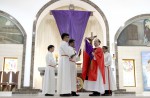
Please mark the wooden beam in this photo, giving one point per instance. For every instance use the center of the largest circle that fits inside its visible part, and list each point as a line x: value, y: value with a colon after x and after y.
x: 90, y: 14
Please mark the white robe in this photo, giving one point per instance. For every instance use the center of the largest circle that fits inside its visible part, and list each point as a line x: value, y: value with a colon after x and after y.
x: 73, y: 70
x: 97, y: 85
x: 64, y: 74
x: 49, y: 76
x: 110, y: 80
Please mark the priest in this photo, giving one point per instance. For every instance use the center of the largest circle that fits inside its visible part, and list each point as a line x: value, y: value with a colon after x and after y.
x: 93, y: 71
x: 49, y: 76
x: 64, y: 72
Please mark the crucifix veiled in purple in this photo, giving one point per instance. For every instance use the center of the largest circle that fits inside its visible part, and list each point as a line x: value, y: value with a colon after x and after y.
x: 72, y: 22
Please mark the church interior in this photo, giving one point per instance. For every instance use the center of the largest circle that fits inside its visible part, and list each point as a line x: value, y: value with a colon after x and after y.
x: 27, y: 27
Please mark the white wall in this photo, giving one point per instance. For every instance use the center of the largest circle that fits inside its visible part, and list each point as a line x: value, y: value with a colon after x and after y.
x: 116, y: 12
x: 132, y: 53
x: 12, y: 50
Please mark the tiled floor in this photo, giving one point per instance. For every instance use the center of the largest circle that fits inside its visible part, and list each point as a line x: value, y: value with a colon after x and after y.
x: 82, y: 95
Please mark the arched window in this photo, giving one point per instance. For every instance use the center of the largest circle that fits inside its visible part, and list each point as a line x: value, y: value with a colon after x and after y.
x: 10, y: 32
x: 135, y: 34
x: 12, y: 45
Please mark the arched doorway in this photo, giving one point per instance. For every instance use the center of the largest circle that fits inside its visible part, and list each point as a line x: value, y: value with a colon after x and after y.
x: 43, y: 15
x: 131, y: 40
x: 12, y: 46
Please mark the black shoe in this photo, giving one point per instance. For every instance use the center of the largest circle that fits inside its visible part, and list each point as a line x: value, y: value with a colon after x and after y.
x: 49, y: 94
x: 108, y: 93
x: 74, y: 94
x: 91, y: 94
x: 103, y: 94
x: 95, y: 94
x: 65, y: 95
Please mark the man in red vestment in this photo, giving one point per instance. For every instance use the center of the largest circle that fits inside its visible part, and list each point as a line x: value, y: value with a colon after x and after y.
x: 93, y: 71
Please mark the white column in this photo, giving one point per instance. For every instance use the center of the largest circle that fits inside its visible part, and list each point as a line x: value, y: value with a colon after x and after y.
x: 26, y: 82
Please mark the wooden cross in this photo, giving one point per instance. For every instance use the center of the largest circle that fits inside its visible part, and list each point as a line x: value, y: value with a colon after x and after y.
x: 91, y: 38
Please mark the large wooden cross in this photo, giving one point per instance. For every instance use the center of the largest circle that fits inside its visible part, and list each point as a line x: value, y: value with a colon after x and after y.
x: 91, y: 38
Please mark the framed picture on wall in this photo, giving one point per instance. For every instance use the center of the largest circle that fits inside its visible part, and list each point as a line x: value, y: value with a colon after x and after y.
x: 146, y: 70
x: 129, y: 79
x: 10, y: 64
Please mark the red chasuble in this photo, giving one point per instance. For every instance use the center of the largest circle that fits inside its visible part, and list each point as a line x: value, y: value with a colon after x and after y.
x: 98, y: 63
x: 89, y: 69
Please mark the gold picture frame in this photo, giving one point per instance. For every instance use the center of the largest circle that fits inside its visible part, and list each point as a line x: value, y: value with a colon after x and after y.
x: 129, y: 79
x: 10, y: 64
x: 79, y: 83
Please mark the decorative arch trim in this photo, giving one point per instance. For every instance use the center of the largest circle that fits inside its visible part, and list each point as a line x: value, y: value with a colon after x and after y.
x: 34, y: 30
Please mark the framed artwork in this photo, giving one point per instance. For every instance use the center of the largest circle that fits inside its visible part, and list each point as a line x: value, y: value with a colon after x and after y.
x: 129, y: 79
x: 146, y: 30
x: 146, y: 70
x: 10, y: 64
x: 79, y: 83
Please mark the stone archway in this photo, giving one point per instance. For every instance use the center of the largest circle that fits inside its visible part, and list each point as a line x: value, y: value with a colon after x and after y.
x: 38, y: 16
x: 13, y: 20
x: 119, y: 32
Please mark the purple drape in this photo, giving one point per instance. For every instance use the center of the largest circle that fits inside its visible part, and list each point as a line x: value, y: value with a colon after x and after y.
x: 73, y: 23
x: 89, y: 49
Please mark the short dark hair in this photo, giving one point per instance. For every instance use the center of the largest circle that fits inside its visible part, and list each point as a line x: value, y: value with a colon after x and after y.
x: 49, y: 47
x: 71, y: 41
x: 64, y: 35
x: 105, y: 47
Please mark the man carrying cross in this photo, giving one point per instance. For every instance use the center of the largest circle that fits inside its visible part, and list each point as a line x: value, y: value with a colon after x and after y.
x: 93, y: 71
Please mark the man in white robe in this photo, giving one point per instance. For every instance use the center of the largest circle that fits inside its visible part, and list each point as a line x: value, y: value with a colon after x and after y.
x: 110, y: 84
x: 73, y: 68
x: 49, y: 76
x: 64, y: 72
x: 96, y: 86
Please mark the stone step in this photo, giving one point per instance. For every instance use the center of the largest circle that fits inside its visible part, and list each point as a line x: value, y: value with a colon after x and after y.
x: 124, y: 93
x: 26, y: 91
x: 120, y: 90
